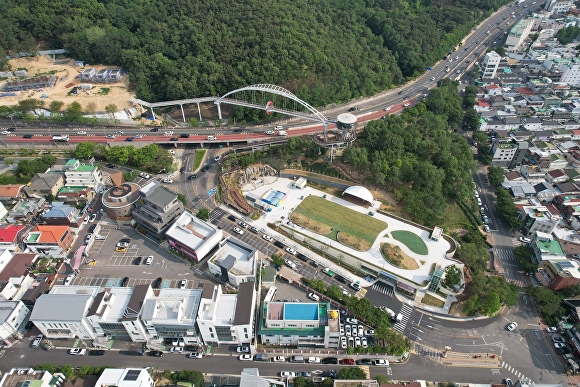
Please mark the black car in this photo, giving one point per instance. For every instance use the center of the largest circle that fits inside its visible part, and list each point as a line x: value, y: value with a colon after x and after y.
x: 302, y: 257
x: 124, y: 282
x: 191, y: 177
x: 184, y: 135
x: 126, y: 240
x: 352, y: 109
x: 154, y: 130
x: 562, y: 351
x: 96, y: 352
x: 329, y: 360
x: 182, y: 169
x: 279, y: 244
x: 340, y: 278
x: 92, y: 228
x: 406, y: 97
x: 238, y: 130
x: 129, y: 139
x: 155, y: 353
x: 27, y: 136
x: 205, y: 168
x: 364, y: 362
x: 314, y: 263
x: 232, y: 218
x: 157, y: 284
x: 329, y: 374
x: 174, y: 139
x: 138, y: 260
x: 400, y: 92
x: 110, y: 165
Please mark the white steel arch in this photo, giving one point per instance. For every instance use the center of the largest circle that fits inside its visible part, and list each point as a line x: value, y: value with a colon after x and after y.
x: 274, y: 90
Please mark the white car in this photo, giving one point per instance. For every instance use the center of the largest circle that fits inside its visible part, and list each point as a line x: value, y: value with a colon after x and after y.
x: 357, y: 342
x: 138, y: 136
x: 183, y: 284
x: 81, y: 132
x: 243, y: 349
x: 511, y: 326
x: 290, y: 264
x: 172, y: 152
x: 88, y: 239
x: 352, y: 320
x: 381, y: 363
x: 122, y: 244
x: 176, y: 350
x: 37, y: 341
x: 343, y: 342
x: 370, y: 332
x: 243, y: 224
x: 355, y: 286
x: 119, y: 132
x: 5, y: 132
x: 314, y: 297
x: 313, y: 360
x: 217, y: 158
x: 93, y: 218
x: 387, y: 108
x: 246, y: 357
x: 169, y: 133
x: 167, y: 180
x: 279, y: 359
x: 432, y: 78
x: 559, y: 345
x: 267, y: 237
x: 144, y: 175
x: 552, y: 329
x: 238, y: 230
x: 287, y: 374
x: 361, y: 330
x: 195, y: 355
x: 86, y: 221
x: 407, y: 105
x: 270, y: 132
x: 290, y: 250
x: 78, y: 351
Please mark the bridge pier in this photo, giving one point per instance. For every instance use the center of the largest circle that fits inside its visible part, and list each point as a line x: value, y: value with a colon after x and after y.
x: 199, y: 111
x: 219, y: 110
x: 182, y: 112
x: 325, y: 125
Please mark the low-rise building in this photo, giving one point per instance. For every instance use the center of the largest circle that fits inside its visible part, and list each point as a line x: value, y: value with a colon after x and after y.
x: 20, y: 377
x: 50, y: 240
x: 234, y: 262
x: 503, y: 152
x: 11, y: 193
x: 193, y: 237
x: 125, y: 377
x: 26, y: 210
x: 83, y: 175
x: 13, y: 316
x: 61, y: 214
x: 545, y: 247
x: 12, y: 237
x: 560, y: 273
x: 75, y: 194
x: 538, y: 218
x: 227, y: 318
x: 299, y: 324
x: 16, y: 274
x: 156, y: 209
x: 43, y: 184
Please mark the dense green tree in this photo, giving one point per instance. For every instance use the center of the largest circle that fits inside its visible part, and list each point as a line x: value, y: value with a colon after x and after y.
x: 490, y: 304
x: 495, y: 175
x: 85, y: 150
x: 55, y: 106
x: 568, y: 34
x: 203, y: 214
x: 506, y: 208
x: 452, y: 276
x: 277, y: 260
x: 548, y: 302
x: 74, y: 112
x: 351, y: 373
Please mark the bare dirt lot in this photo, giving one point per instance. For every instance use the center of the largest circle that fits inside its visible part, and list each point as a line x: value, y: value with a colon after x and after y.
x: 67, y: 73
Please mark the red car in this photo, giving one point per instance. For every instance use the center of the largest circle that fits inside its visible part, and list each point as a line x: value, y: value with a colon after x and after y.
x: 347, y: 361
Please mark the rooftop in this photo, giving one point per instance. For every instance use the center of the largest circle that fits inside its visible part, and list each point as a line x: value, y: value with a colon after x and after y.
x: 72, y: 189
x: 46, y: 234
x: 9, y: 233
x: 236, y: 257
x: 190, y: 230
x: 172, y: 306
x: 10, y: 190
x: 550, y: 247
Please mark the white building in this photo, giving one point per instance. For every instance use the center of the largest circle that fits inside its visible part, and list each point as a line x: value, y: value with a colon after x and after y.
x: 55, y: 321
x: 570, y: 74
x: 558, y: 6
x: 299, y: 324
x: 192, y: 236
x: 538, y: 219
x: 21, y: 377
x: 13, y: 314
x: 125, y: 377
x: 234, y: 261
x: 227, y: 318
x: 545, y: 247
x: 518, y: 34
x: 83, y: 175
x: 490, y: 64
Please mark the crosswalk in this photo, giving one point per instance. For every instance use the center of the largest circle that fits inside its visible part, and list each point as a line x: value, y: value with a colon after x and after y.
x: 406, y: 311
x: 216, y: 214
x: 506, y: 254
x: 428, y: 352
x: 520, y: 283
x: 517, y: 373
x: 386, y: 289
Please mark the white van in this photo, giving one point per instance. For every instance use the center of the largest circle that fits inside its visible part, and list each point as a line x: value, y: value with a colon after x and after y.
x: 149, y: 260
x: 211, y: 138
x: 282, y: 133
x: 278, y: 127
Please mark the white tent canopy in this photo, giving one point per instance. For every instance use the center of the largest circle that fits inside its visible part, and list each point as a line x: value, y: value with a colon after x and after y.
x: 359, y: 192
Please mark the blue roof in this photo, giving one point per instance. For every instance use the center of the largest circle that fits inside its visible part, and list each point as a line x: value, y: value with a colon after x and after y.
x: 300, y: 311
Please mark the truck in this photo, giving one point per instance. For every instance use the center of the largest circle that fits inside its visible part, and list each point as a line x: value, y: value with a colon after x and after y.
x: 60, y: 138
x: 329, y: 272
x: 390, y: 313
x: 399, y: 317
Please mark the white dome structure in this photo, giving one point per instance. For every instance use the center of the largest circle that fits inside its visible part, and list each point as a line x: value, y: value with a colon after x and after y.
x: 359, y: 192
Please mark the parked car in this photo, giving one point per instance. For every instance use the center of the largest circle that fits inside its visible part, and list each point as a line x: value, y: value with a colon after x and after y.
x: 176, y: 350
x: 167, y: 180
x: 238, y: 230
x: 267, y: 237
x: 346, y: 361
x: 195, y: 355
x: 144, y: 175
x: 155, y: 353
x: 364, y: 362
x: 243, y: 349
x: 246, y: 357
x: 124, y: 282
x: 329, y: 360
x: 78, y: 351
x: 37, y: 341
x: 279, y: 359
x: 314, y: 297
x: 46, y: 346
x: 93, y: 218
x: 511, y: 326
x: 183, y: 284
x: 157, y: 283
x: 381, y: 363
x: 96, y: 352
x: 287, y: 374
x: 120, y: 249
x: 290, y: 250
x: 559, y: 345
x: 558, y: 339
x: 552, y: 329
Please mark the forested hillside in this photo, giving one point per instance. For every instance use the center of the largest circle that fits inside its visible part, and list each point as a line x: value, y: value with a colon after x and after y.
x: 322, y: 50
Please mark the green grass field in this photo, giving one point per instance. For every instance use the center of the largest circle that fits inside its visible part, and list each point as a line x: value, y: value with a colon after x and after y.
x: 412, y: 241
x: 198, y: 158
x: 341, y: 219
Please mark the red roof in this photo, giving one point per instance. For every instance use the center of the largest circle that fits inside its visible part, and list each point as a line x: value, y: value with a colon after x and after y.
x: 50, y: 234
x: 494, y: 86
x: 482, y: 102
x: 576, y: 131
x: 9, y: 233
x: 525, y: 91
x: 556, y: 173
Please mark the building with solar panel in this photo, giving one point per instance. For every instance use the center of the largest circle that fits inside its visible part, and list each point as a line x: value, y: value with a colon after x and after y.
x: 125, y: 377
x: 299, y: 324
x: 559, y: 273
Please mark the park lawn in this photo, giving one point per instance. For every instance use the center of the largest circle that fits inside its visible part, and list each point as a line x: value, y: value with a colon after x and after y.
x: 198, y: 158
x: 412, y: 241
x: 328, y: 215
